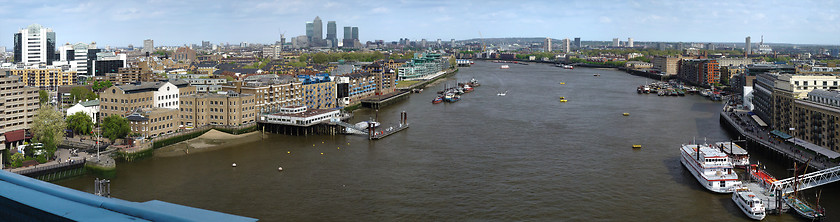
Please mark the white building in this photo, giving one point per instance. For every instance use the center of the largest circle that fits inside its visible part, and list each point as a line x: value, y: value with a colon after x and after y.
x: 91, y: 108
x: 167, y: 96
x: 35, y: 45
x: 630, y: 42
x: 616, y: 42
x: 76, y: 56
x: 300, y: 116
x: 566, y: 45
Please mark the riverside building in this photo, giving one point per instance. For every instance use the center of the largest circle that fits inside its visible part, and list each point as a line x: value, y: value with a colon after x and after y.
x: 221, y: 108
x: 123, y: 100
x: 18, y: 104
x: 271, y: 93
x: 422, y: 65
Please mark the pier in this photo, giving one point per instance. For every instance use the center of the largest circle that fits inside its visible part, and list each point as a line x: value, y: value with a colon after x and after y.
x: 375, y: 134
x: 378, y: 101
x: 741, y: 123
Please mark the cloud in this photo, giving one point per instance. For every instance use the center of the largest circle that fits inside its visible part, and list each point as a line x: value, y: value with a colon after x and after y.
x: 380, y: 10
x: 604, y: 19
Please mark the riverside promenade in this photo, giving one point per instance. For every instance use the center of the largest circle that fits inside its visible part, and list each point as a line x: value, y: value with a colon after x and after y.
x: 742, y: 123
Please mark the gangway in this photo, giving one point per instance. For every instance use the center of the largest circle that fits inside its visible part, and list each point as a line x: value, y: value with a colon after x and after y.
x: 806, y: 181
x: 354, y: 129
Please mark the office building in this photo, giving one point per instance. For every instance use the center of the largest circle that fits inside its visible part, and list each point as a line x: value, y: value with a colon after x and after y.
x: 616, y: 42
x: 356, y: 33
x: 149, y: 46
x: 153, y: 122
x: 666, y: 64
x: 108, y: 62
x: 630, y: 42
x: 184, y: 55
x: 35, y: 45
x: 577, y: 43
x: 332, y: 36
x: 310, y: 31
x: 317, y: 30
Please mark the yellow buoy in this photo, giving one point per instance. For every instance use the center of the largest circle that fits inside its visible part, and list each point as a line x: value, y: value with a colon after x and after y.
x: 322, y: 153
x: 563, y: 100
x: 562, y: 97
x: 626, y: 114
x: 322, y: 141
x: 289, y: 152
x: 637, y: 146
x: 562, y: 83
x: 338, y: 148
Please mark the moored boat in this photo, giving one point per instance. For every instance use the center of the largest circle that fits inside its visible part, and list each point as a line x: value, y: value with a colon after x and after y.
x: 710, y: 167
x: 739, y: 156
x: 437, y: 100
x: 803, y: 208
x: 747, y: 201
x: 504, y: 67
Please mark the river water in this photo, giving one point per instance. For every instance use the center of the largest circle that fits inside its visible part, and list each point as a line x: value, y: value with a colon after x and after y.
x: 523, y: 156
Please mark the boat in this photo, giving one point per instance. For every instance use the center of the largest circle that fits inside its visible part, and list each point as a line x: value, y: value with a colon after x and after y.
x: 739, y: 156
x: 366, y: 124
x: 437, y: 100
x: 596, y: 74
x: 568, y: 67
x: 504, y: 67
x: 467, y: 88
x: 803, y: 208
x: 451, y: 97
x: 625, y: 114
x: 710, y: 167
x: 502, y: 93
x: 474, y: 83
x: 562, y: 83
x: 799, y: 205
x: 747, y: 201
x: 637, y: 146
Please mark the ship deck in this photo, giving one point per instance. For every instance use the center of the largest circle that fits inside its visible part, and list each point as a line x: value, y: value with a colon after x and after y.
x: 770, y: 204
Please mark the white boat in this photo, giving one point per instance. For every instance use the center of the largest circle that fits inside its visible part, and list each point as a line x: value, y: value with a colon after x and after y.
x: 504, y: 67
x: 365, y: 124
x: 751, y: 205
x: 502, y: 93
x: 711, y: 167
x: 739, y: 156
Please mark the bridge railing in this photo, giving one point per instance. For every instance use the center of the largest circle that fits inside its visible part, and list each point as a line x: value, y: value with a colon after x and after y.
x: 807, y: 181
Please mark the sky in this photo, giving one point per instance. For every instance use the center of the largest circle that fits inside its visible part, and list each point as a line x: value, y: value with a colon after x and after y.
x: 179, y: 22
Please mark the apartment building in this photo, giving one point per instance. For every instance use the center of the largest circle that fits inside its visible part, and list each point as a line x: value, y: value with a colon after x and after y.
x: 272, y: 93
x: 668, y: 65
x: 18, y: 104
x: 319, y: 91
x: 123, y: 100
x: 45, y: 76
x: 153, y: 122
x: 222, y: 108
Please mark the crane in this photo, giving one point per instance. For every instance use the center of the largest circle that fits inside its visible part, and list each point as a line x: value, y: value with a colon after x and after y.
x: 483, y: 46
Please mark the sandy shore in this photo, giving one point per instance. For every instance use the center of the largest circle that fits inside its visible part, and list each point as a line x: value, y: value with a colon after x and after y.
x: 211, y: 140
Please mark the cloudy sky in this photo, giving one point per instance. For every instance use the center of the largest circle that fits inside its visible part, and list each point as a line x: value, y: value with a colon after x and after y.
x: 178, y: 22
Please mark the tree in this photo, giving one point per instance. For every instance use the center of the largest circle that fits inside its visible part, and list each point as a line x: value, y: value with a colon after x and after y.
x: 43, y: 96
x: 48, y: 128
x: 115, y: 127
x: 80, y: 123
x: 98, y: 86
x: 17, y: 160
x: 79, y: 93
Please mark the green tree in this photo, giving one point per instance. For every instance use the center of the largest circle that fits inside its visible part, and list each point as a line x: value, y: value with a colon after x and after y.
x: 80, y: 123
x: 100, y: 85
x: 80, y: 93
x: 115, y: 127
x: 48, y: 128
x: 43, y: 97
x: 17, y: 160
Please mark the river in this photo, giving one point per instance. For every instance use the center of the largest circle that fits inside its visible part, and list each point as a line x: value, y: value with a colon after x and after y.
x: 523, y: 156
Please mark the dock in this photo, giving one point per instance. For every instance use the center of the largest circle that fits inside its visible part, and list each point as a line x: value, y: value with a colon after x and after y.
x: 771, y: 204
x: 390, y: 131
x: 379, y: 101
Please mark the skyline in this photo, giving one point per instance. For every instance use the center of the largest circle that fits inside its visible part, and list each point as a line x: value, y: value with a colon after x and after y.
x: 118, y: 24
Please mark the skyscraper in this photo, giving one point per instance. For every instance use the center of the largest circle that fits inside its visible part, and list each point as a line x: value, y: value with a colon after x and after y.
x: 452, y: 43
x: 310, y: 31
x: 348, y: 32
x: 577, y: 43
x: 547, y: 45
x: 149, y: 45
x: 355, y: 33
x: 567, y: 45
x: 630, y: 42
x: 318, y: 29
x: 331, y: 34
x: 616, y: 42
x: 36, y: 44
x: 748, y: 46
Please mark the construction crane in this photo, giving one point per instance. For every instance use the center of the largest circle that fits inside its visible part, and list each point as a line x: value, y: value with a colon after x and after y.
x: 483, y: 46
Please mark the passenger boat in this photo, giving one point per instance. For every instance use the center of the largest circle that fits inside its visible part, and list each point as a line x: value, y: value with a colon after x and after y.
x: 502, y: 93
x: 710, y: 167
x: 451, y: 97
x: 568, y: 67
x: 739, y: 156
x: 437, y: 100
x: 751, y: 205
x: 504, y: 67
